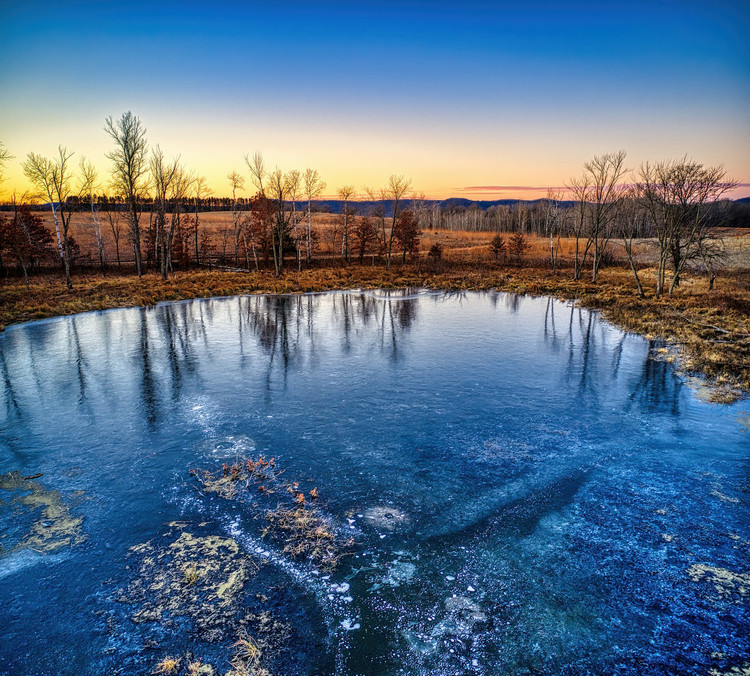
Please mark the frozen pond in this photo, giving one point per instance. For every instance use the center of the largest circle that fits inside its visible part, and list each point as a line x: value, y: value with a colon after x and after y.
x: 516, y: 487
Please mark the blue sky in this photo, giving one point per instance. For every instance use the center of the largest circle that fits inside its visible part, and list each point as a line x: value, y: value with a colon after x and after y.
x: 476, y: 94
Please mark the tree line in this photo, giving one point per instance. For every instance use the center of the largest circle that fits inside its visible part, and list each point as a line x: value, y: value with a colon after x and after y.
x: 156, y: 211
x: 158, y: 201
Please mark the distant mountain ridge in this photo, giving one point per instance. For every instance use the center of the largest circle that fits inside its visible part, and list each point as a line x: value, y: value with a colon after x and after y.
x: 335, y: 206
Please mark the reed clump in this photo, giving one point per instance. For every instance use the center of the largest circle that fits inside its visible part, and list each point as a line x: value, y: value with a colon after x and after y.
x: 294, y: 522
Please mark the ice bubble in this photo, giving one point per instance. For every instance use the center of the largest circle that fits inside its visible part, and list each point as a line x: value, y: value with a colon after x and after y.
x: 384, y: 517
x: 399, y: 572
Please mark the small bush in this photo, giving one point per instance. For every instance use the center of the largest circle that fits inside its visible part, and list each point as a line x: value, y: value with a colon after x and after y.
x: 517, y: 245
x: 436, y: 251
x: 497, y: 246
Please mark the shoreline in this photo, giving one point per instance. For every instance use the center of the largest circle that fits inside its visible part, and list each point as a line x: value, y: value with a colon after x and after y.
x: 710, y: 330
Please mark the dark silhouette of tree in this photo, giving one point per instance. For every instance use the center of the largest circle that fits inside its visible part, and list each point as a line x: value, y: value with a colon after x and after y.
x: 436, y: 251
x: 237, y: 183
x: 497, y: 246
x: 366, y: 237
x: 24, y: 239
x: 407, y: 234
x: 257, y: 228
x: 517, y: 245
x: 4, y: 157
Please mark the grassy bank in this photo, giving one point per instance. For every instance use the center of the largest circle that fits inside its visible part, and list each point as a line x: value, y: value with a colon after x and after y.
x: 710, y: 328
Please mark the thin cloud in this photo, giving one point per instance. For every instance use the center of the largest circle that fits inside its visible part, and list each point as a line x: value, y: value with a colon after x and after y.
x: 508, y: 188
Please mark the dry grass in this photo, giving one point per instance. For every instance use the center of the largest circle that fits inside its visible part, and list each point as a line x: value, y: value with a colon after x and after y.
x: 168, y: 666
x: 304, y: 533
x: 294, y: 523
x: 247, y: 658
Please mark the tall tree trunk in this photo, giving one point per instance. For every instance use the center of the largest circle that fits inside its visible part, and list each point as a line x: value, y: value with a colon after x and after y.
x: 197, y: 254
x: 136, y: 237
x: 309, y: 232
x: 629, y: 251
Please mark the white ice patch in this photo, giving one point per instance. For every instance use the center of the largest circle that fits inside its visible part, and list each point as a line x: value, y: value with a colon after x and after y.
x: 399, y: 572
x: 25, y: 558
x: 231, y: 446
x: 340, y: 588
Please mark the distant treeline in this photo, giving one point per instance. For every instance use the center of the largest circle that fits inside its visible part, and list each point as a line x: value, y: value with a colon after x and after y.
x: 455, y: 213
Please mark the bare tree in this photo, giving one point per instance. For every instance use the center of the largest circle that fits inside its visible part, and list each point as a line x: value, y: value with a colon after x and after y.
x: 113, y: 218
x: 163, y: 176
x: 256, y: 225
x: 53, y: 178
x: 346, y: 193
x: 552, y: 224
x: 294, y: 181
x: 279, y: 190
x: 129, y: 171
x: 598, y: 193
x: 41, y: 172
x: 237, y: 183
x: 200, y: 192
x: 395, y: 192
x: 607, y: 172
x: 88, y: 186
x: 180, y: 193
x: 276, y: 186
x: 711, y: 253
x: 4, y: 157
x: 677, y: 194
x: 257, y: 167
x: 377, y: 210
x: 314, y: 186
x: 632, y: 217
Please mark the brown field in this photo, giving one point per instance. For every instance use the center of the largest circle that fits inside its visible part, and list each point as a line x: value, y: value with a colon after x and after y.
x: 458, y: 245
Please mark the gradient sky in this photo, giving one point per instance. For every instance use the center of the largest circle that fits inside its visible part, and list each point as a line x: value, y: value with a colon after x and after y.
x: 473, y: 99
